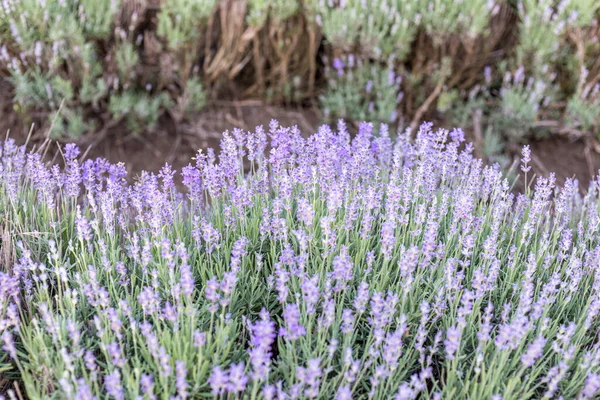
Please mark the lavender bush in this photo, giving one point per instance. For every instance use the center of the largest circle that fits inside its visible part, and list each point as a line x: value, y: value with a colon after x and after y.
x: 298, y: 267
x: 77, y: 67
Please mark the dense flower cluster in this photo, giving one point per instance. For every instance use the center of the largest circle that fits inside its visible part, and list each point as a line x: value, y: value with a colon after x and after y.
x: 298, y: 267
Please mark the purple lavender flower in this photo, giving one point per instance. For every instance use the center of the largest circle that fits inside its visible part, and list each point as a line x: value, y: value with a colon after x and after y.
x: 342, y: 269
x: 362, y: 297
x: 344, y: 393
x: 199, y: 339
x: 388, y: 238
x: 452, y: 342
x: 71, y: 151
x: 158, y: 352
x: 180, y: 379
x: 9, y: 344
x: 211, y: 236
x: 262, y: 336
x: 212, y: 294
x: 149, y: 301
x: 269, y: 392
x: 90, y: 361
x: 187, y: 280
x: 590, y: 387
x: 305, y: 212
x: 238, y: 252
x: 534, y: 351
x: 282, y: 277
x: 84, y: 391
x: 191, y: 179
x: 112, y: 384
x: 147, y: 384
x: 347, y: 321
x: 310, y: 377
x: 67, y: 387
x: 218, y: 381
x: 338, y: 65
x: 237, y: 378
x: 227, y: 286
x: 312, y: 206
x: 114, y: 351
x: 292, y: 330
x: 83, y: 228
x: 310, y: 293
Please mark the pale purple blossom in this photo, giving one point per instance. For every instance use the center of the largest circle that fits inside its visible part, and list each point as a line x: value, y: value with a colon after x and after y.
x: 112, y: 384
x: 263, y: 334
x: 292, y: 329
x: 237, y: 378
x: 534, y: 351
x: 452, y: 342
x: 218, y: 381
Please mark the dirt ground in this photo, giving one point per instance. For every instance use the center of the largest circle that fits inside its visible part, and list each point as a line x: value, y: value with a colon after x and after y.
x: 567, y: 159
x: 151, y: 151
x: 177, y: 145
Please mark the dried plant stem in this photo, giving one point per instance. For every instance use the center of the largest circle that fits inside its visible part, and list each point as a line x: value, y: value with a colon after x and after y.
x: 427, y: 103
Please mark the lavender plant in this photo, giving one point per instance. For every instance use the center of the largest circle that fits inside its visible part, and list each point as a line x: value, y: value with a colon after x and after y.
x: 521, y: 99
x: 92, y: 59
x: 566, y: 40
x: 180, y: 24
x: 361, y: 91
x: 472, y: 17
x: 584, y: 113
x: 49, y: 51
x: 86, y: 57
x: 382, y: 28
x: 299, y: 267
x: 544, y: 24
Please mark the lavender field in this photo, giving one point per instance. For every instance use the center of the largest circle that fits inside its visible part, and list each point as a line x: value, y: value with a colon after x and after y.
x: 298, y: 267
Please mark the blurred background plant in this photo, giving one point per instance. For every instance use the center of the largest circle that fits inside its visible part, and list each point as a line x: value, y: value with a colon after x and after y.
x: 505, y: 70
x: 364, y: 91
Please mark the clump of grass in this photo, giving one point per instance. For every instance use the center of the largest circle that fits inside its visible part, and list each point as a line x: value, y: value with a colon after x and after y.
x: 324, y: 267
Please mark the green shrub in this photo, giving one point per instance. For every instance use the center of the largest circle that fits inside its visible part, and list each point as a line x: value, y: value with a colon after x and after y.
x: 584, y: 114
x: 361, y: 91
x: 74, y: 56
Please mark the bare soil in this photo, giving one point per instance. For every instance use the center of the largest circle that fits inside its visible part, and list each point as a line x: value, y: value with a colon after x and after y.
x: 578, y: 159
x: 177, y: 146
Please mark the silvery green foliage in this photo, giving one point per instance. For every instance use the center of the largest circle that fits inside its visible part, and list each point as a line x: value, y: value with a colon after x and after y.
x: 127, y: 59
x: 521, y: 98
x: 139, y: 109
x: 543, y: 26
x: 66, y: 57
x: 181, y: 24
x: 258, y: 11
x: 468, y: 17
x: 382, y: 28
x: 53, y: 57
x: 194, y: 96
x: 74, y: 55
x: 361, y: 91
x: 304, y: 266
x: 583, y: 111
x: 180, y: 21
x: 385, y: 30
x: 279, y: 10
